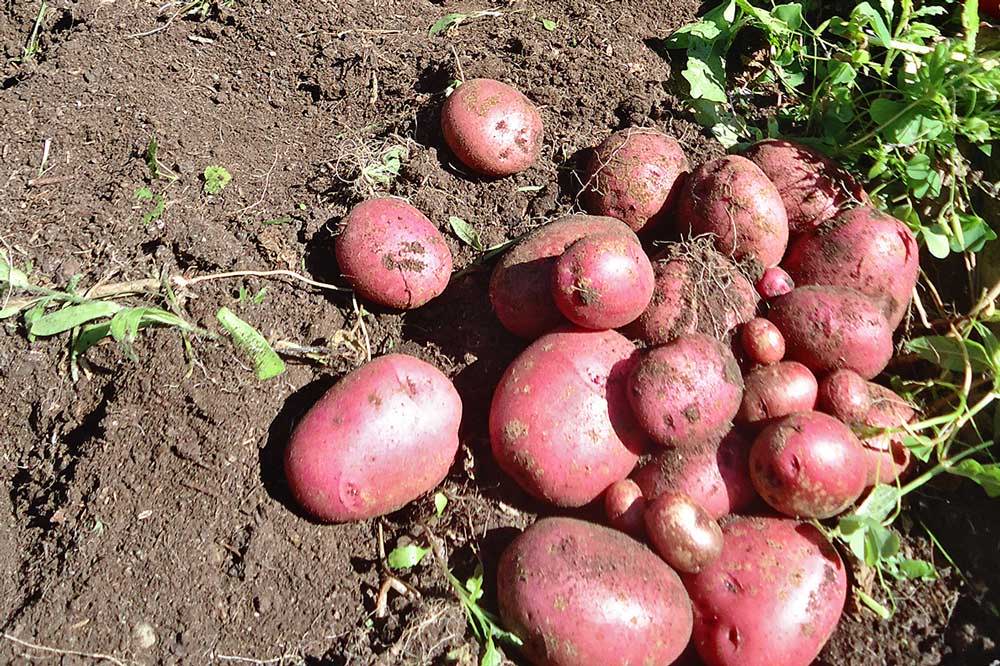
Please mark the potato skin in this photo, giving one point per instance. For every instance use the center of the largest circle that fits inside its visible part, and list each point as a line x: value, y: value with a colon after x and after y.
x: 774, y: 595
x: 382, y: 436
x: 580, y: 594
x: 774, y: 282
x: 808, y: 465
x: 686, y: 391
x: 521, y: 284
x: 832, y: 328
x: 733, y: 199
x: 682, y: 532
x: 491, y: 127
x: 843, y: 394
x: 762, y: 341
x: 625, y: 506
x: 560, y: 423
x: 392, y: 254
x: 775, y: 391
x: 867, y: 405
x: 635, y: 176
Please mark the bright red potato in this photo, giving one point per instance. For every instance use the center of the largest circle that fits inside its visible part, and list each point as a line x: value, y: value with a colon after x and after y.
x: 843, y: 394
x: 625, y: 507
x: 762, y: 341
x: 774, y: 282
x: 774, y: 391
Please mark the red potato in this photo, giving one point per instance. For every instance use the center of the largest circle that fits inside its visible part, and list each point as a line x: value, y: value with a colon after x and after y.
x: 843, y: 394
x: 560, y: 422
x: 812, y: 186
x: 808, y: 465
x: 774, y: 282
x: 625, y: 507
x: 682, y: 532
x: 635, y: 175
x: 603, y: 281
x: 773, y: 597
x: 731, y: 198
x: 491, y: 127
x: 832, y: 328
x: 716, y: 475
x: 887, y: 456
x: 762, y: 341
x: 384, y: 435
x: 863, y: 249
x: 392, y: 255
x: 775, y: 391
x: 991, y: 8
x: 521, y: 285
x: 578, y: 593
x: 686, y: 391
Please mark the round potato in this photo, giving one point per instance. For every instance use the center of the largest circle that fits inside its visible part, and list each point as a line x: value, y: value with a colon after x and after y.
x: 625, y: 506
x: 774, y: 282
x: 774, y: 391
x: 762, y: 341
x: 682, y: 532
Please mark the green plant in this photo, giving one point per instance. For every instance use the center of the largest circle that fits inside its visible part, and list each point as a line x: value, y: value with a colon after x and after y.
x: 32, y: 46
x: 267, y: 363
x: 451, y: 21
x: 385, y: 168
x: 143, y: 195
x: 216, y: 179
x: 485, y: 626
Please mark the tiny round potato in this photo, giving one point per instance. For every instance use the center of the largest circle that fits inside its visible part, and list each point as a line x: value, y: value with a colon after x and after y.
x: 384, y: 435
x: 762, y: 341
x: 682, y: 532
x: 578, y: 593
x: 491, y: 127
x: 686, y: 391
x: 774, y: 391
x: 635, y: 175
x: 392, y: 255
x: 808, y: 465
x: 843, y: 394
x: 774, y: 282
x: 625, y: 506
x: 774, y: 596
x: 603, y: 281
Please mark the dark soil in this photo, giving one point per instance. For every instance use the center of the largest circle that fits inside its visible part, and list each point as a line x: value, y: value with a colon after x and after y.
x: 145, y: 515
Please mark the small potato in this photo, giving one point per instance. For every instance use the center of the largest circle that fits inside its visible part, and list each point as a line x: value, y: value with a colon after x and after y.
x: 843, y: 394
x: 682, y: 532
x: 775, y: 391
x: 578, y: 593
x: 491, y: 127
x: 774, y: 282
x: 808, y: 465
x: 772, y: 598
x: 392, y: 255
x: 762, y: 341
x: 603, y: 281
x: 625, y: 507
x: 882, y: 414
x: 384, y: 435
x: 686, y: 391
x: 635, y: 175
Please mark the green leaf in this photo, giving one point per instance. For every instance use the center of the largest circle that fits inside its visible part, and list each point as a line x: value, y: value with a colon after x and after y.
x: 976, y: 130
x: 491, y: 656
x: 789, y: 14
x: 151, y: 162
x: 976, y: 232
x: 921, y: 178
x: 7, y: 313
x: 881, y: 543
x: 89, y: 336
x: 156, y: 212
x: 466, y: 233
x: 970, y: 23
x: 881, y: 501
x: 987, y: 476
x: 919, y: 445
x: 440, y: 502
x: 937, y: 241
x: 916, y: 569
x: 873, y: 605
x: 216, y: 179
x: 446, y: 22
x: 267, y: 363
x: 704, y: 82
x: 947, y: 352
x: 874, y: 19
x: 549, y: 24
x: 124, y: 326
x: 70, y: 317
x: 144, y: 194
x: 841, y: 74
x: 11, y: 276
x: 403, y: 557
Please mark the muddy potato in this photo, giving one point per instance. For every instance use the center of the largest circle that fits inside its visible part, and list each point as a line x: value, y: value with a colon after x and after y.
x: 762, y: 341
x: 625, y: 506
x: 682, y: 532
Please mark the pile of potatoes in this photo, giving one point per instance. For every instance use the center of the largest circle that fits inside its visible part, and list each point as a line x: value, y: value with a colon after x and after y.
x: 721, y: 325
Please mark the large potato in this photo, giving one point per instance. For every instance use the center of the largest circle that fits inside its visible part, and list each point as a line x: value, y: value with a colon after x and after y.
x: 560, y: 422
x: 381, y: 437
x: 772, y: 598
x: 580, y: 594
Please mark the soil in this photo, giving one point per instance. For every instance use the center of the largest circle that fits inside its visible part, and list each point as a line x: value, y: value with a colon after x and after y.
x: 145, y: 516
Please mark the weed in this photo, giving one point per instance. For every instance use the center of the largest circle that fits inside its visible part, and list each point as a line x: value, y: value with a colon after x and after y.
x: 216, y: 179
x: 466, y: 233
x: 267, y: 363
x: 156, y: 168
x: 32, y: 46
x: 144, y: 195
x: 244, y: 296
x: 449, y: 22
x: 370, y: 168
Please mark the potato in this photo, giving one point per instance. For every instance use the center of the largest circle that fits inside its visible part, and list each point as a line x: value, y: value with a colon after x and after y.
x: 762, y: 341
x: 634, y: 175
x: 812, y: 187
x: 560, y: 423
x: 831, y: 328
x: 731, y: 198
x: 686, y: 391
x: 843, y: 394
x: 582, y: 594
x: 384, y: 435
x: 521, y: 285
x: 774, y: 282
x: 625, y: 507
x: 603, y: 281
x: 682, y: 532
x: 392, y: 254
x: 774, y: 391
x: 773, y: 597
x: 491, y: 127
x: 808, y: 465
x: 863, y: 249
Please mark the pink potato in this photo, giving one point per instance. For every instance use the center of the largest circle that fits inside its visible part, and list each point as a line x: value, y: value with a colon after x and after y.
x: 774, y: 282
x: 732, y: 199
x: 716, y: 475
x: 762, y: 341
x: 521, y: 285
x: 843, y: 394
x: 832, y: 328
x: 583, y: 594
x: 625, y: 507
x: 382, y: 436
x: 774, y: 596
x: 392, y: 255
x: 635, y: 175
x: 603, y: 281
x: 560, y: 423
x: 775, y: 391
x: 808, y: 465
x: 682, y: 532
x: 863, y: 249
x: 812, y: 186
x: 491, y: 127
x: 686, y: 391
